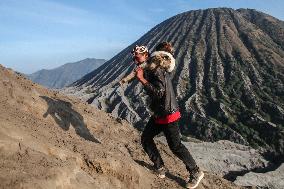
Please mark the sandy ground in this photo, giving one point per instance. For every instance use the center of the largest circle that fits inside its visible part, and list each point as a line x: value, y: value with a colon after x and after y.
x: 48, y: 140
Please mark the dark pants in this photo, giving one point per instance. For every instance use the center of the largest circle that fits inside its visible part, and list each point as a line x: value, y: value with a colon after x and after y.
x: 172, y: 134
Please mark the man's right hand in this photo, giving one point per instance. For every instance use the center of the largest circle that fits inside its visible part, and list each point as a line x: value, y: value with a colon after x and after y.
x: 140, y: 75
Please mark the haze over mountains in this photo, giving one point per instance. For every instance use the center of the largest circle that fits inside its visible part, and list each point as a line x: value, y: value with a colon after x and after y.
x: 228, y: 79
x: 65, y: 74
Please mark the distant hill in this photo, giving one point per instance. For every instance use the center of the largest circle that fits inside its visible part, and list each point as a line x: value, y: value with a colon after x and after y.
x: 66, y: 74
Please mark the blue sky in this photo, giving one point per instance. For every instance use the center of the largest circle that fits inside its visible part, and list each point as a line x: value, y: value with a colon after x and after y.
x: 37, y: 34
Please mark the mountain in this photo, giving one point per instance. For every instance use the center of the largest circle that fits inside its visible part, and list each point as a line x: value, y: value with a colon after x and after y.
x: 228, y: 79
x: 49, y: 140
x: 65, y: 74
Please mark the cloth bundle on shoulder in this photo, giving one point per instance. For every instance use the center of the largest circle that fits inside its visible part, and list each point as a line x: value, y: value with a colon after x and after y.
x: 157, y: 59
x: 161, y: 59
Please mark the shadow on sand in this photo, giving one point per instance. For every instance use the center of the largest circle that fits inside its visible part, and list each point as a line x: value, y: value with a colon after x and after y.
x: 64, y: 115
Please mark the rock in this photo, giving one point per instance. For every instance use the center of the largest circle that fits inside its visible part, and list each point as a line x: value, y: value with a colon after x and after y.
x: 225, y: 158
x: 272, y: 179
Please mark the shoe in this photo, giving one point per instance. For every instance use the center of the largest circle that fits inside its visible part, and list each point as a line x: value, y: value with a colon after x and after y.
x: 161, y: 172
x: 194, y: 178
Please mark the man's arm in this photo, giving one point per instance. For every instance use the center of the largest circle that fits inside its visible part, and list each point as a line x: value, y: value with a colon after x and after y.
x: 128, y: 78
x: 156, y: 88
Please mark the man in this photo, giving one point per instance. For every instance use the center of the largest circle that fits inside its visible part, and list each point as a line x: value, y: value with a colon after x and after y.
x: 158, y: 86
x: 158, y: 58
x: 140, y: 56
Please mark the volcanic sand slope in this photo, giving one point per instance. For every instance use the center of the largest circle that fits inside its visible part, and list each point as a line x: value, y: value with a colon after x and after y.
x: 48, y: 140
x: 229, y: 77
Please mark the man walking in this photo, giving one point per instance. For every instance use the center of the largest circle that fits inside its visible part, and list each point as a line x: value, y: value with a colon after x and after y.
x: 158, y: 86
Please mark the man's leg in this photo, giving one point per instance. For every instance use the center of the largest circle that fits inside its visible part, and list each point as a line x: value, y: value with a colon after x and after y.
x: 172, y: 134
x: 147, y: 140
